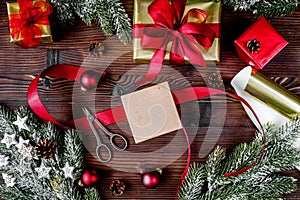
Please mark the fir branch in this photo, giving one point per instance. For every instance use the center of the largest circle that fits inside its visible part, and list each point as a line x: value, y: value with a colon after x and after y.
x: 260, y: 181
x: 91, y: 194
x: 194, y: 181
x: 269, y: 8
x: 274, y: 8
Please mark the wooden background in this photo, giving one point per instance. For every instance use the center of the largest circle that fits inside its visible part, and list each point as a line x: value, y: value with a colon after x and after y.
x: 19, y: 66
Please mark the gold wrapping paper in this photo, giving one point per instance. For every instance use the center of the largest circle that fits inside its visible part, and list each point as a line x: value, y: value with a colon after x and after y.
x: 141, y: 16
x: 273, y: 95
x: 13, y: 8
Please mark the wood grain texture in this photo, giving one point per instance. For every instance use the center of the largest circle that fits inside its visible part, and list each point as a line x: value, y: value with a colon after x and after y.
x: 19, y: 66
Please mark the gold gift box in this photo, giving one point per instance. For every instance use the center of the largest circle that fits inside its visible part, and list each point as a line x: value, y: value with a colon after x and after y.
x: 46, y: 37
x: 141, y: 16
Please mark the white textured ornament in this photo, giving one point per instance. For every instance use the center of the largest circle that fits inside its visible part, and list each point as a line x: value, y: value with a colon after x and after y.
x: 68, y: 171
x: 26, y: 151
x: 24, y: 167
x: 3, y: 160
x: 43, y: 171
x: 8, y: 180
x: 9, y: 140
x: 21, y: 123
x: 21, y: 142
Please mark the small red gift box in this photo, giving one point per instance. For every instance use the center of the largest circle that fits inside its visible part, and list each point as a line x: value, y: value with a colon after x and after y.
x: 259, y: 44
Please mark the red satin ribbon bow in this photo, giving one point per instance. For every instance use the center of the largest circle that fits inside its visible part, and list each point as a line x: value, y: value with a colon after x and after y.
x: 185, y: 33
x: 25, y: 25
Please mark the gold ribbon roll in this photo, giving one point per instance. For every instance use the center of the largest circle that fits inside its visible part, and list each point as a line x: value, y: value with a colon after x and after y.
x: 273, y: 95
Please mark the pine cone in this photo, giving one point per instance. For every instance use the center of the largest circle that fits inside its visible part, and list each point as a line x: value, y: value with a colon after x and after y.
x: 253, y: 45
x: 96, y: 49
x: 117, y: 187
x: 45, y: 149
x: 215, y: 81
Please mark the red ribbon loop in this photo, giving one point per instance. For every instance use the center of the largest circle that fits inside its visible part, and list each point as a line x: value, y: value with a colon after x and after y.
x: 186, y: 34
x: 25, y: 25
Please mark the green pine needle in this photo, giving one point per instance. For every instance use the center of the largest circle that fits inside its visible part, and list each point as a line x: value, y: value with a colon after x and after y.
x: 262, y: 181
x: 28, y: 186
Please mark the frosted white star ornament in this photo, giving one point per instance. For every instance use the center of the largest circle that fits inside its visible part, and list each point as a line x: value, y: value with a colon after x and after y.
x: 9, y: 140
x: 43, y: 171
x: 3, y: 160
x: 8, y: 180
x: 26, y: 151
x: 21, y: 123
x: 24, y: 167
x: 68, y: 171
x: 21, y: 142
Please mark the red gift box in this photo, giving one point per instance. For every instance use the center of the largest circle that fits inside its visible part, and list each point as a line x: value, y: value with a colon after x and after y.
x: 270, y: 43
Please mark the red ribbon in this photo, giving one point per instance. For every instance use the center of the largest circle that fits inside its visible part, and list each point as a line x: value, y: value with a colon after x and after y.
x: 171, y: 26
x: 25, y: 25
x: 118, y: 114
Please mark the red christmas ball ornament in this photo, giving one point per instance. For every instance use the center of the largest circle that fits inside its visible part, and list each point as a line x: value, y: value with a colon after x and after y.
x: 89, y: 79
x: 151, y: 179
x: 89, y: 177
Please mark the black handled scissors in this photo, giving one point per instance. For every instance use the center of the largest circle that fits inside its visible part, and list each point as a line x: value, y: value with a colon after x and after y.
x: 91, y: 119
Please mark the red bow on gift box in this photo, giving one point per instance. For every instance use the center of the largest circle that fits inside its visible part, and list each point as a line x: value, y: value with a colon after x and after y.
x: 186, y: 33
x: 25, y: 25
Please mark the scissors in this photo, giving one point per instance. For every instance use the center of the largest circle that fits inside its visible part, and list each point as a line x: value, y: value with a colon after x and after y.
x: 91, y: 119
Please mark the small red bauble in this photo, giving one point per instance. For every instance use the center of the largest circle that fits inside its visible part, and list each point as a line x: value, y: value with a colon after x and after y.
x: 89, y: 177
x: 151, y: 179
x: 89, y: 79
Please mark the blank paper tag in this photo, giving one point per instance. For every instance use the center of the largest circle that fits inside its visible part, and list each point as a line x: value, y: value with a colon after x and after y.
x: 151, y: 112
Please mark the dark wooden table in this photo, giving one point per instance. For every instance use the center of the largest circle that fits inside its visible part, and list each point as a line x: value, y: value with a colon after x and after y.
x: 19, y: 66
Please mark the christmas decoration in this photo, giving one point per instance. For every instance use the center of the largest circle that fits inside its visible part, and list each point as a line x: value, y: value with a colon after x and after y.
x: 117, y: 187
x: 26, y: 152
x: 253, y: 45
x: 151, y: 179
x: 21, y: 142
x: 109, y: 14
x: 24, y: 167
x: 3, y: 160
x: 215, y: 80
x: 43, y: 171
x: 40, y: 178
x: 9, y: 140
x: 271, y: 43
x: 262, y: 181
x: 68, y: 171
x: 28, y: 22
x: 268, y: 8
x: 8, y: 180
x: 45, y: 149
x: 89, y: 80
x: 89, y: 177
x: 199, y: 12
x: 21, y: 123
x: 96, y: 49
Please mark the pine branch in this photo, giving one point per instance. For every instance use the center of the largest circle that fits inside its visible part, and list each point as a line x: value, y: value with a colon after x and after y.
x: 91, y: 194
x: 269, y: 8
x: 191, y: 187
x: 260, y: 181
x: 275, y: 8
x: 30, y: 184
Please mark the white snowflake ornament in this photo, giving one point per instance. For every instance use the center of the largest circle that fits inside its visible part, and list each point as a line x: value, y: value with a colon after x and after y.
x: 43, y: 171
x: 9, y: 140
x: 3, y: 160
x: 21, y: 142
x: 21, y: 123
x: 8, y: 180
x: 68, y: 171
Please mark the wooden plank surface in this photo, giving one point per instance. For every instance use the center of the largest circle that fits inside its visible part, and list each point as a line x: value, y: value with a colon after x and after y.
x: 19, y: 66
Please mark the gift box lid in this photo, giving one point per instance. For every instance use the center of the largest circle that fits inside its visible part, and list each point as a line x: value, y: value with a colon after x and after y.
x: 269, y: 40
